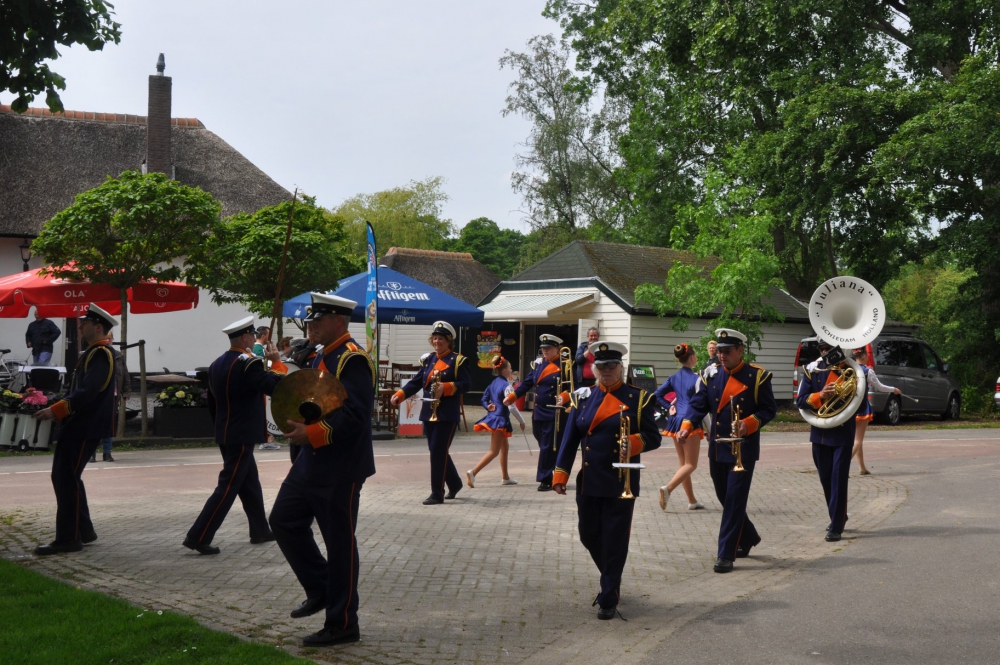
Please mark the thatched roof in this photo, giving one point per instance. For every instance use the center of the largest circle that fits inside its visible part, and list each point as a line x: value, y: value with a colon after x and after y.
x: 47, y: 159
x: 455, y: 273
x: 621, y: 268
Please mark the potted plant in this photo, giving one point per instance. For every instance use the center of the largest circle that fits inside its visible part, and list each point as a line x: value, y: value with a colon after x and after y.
x: 181, y: 411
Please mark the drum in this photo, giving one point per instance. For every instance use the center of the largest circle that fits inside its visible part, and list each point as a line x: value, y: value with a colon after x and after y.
x: 272, y: 427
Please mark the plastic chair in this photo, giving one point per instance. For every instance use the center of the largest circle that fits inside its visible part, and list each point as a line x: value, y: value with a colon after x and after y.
x: 46, y: 380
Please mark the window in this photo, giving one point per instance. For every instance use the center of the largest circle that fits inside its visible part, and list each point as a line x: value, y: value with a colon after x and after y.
x: 933, y: 362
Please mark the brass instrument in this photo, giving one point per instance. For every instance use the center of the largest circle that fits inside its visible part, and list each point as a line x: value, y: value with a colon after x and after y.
x: 307, y: 396
x: 565, y: 378
x: 435, y: 382
x: 845, y: 388
x: 624, y: 448
x: 735, y: 442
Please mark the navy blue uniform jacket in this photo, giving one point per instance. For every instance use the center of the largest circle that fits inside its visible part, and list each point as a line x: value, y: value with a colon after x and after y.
x: 595, y: 427
x: 545, y: 379
x: 342, y: 442
x: 456, y: 378
x: 88, y: 411
x: 813, y: 382
x: 750, y: 386
x: 237, y: 383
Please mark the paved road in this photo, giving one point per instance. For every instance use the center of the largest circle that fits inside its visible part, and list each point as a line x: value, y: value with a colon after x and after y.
x: 499, y: 575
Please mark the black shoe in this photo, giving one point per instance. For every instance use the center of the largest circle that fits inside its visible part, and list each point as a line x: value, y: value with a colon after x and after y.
x: 743, y: 551
x: 259, y: 540
x: 329, y: 636
x: 832, y: 536
x: 545, y: 487
x: 451, y: 493
x: 108, y: 457
x: 309, y: 607
x: 606, y: 613
x: 58, y: 548
x: 201, y: 548
x: 432, y: 500
x: 89, y: 537
x: 723, y: 566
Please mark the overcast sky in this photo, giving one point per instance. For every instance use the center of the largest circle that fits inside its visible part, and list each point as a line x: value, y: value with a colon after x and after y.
x: 336, y: 97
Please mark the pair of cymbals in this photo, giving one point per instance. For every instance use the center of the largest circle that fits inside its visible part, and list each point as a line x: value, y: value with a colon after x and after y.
x: 306, y: 396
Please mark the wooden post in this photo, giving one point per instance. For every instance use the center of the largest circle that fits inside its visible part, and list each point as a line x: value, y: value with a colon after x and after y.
x: 142, y: 386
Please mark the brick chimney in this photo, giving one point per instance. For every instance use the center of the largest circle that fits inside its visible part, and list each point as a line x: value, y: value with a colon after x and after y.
x: 158, y: 123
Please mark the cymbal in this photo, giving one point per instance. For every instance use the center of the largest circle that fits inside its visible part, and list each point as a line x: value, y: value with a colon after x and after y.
x: 308, y: 396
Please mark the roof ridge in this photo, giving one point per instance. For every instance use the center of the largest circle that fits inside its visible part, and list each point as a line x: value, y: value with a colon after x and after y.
x: 91, y: 116
x: 433, y: 253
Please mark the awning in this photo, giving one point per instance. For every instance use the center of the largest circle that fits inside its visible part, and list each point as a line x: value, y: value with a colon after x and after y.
x: 532, y: 306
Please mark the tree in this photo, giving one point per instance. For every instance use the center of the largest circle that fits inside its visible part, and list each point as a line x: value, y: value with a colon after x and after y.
x: 241, y: 261
x: 128, y: 230
x: 566, y: 176
x: 497, y: 249
x: 30, y: 34
x: 401, y: 217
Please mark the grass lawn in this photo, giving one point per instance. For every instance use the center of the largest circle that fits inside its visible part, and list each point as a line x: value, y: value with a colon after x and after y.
x: 45, y: 621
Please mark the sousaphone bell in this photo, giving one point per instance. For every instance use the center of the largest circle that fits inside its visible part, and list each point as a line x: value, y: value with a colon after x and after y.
x: 306, y: 396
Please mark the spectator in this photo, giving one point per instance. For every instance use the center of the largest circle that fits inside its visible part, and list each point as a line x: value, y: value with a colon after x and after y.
x: 262, y: 336
x: 40, y: 337
x: 583, y: 364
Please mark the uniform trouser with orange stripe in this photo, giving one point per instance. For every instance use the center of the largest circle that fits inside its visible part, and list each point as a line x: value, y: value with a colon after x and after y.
x: 605, y: 525
x: 238, y: 478
x: 545, y: 435
x: 439, y: 435
x: 833, y: 463
x: 72, y: 513
x: 733, y: 491
x: 335, y: 509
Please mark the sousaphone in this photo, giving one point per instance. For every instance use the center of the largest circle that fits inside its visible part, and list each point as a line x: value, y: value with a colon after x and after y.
x: 846, y: 313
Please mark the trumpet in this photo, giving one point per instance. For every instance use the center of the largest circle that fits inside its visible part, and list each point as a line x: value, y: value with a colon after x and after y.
x: 624, y: 470
x: 435, y: 382
x: 735, y: 442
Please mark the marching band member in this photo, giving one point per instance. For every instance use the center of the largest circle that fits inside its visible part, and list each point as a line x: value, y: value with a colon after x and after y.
x: 87, y: 414
x: 325, y: 481
x: 545, y: 378
x: 595, y: 424
x: 497, y: 421
x: 683, y: 385
x: 444, y: 376
x: 237, y: 383
x: 865, y: 413
x: 750, y: 387
x: 831, y: 447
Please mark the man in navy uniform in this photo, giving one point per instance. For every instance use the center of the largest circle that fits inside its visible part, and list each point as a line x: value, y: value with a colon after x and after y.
x: 749, y: 387
x: 831, y: 448
x: 237, y: 383
x: 546, y: 379
x: 596, y: 425
x: 324, y: 483
x: 87, y: 414
x: 444, y: 374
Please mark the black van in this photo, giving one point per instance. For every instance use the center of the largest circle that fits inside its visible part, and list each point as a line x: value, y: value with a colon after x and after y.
x: 905, y: 362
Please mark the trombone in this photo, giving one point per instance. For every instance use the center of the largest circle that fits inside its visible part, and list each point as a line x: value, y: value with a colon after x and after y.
x: 565, y: 379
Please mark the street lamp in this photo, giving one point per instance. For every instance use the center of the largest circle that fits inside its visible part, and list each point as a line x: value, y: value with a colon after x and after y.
x: 25, y: 248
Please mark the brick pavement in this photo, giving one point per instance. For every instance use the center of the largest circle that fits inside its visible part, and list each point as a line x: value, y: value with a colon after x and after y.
x: 497, y: 575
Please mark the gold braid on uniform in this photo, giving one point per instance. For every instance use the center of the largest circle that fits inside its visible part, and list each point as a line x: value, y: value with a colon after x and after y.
x: 355, y: 350
x: 111, y: 368
x: 762, y: 376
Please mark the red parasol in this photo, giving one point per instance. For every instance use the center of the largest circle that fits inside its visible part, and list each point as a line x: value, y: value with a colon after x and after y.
x: 58, y: 297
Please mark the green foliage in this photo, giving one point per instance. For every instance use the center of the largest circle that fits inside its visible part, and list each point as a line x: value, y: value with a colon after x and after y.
x: 497, y: 249
x: 182, y: 396
x: 401, y: 217
x: 241, y: 261
x: 30, y: 34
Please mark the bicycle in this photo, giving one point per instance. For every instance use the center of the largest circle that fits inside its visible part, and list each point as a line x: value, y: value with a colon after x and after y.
x: 10, y: 371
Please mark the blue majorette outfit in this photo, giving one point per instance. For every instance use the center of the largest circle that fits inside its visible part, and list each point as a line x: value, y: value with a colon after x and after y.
x: 683, y: 384
x: 500, y: 418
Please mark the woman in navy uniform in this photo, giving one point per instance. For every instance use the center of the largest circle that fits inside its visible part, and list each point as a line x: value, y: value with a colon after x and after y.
x: 831, y: 447
x: 87, y: 414
x: 594, y: 425
x: 497, y: 422
x: 749, y: 386
x: 444, y: 375
x: 682, y: 384
x: 237, y: 383
x: 325, y: 481
x: 546, y: 379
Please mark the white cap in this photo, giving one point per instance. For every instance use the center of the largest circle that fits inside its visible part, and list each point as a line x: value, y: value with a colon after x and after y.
x: 549, y: 340
x: 325, y: 303
x: 607, y: 352
x: 730, y: 337
x: 443, y: 328
x: 237, y: 328
x: 95, y: 313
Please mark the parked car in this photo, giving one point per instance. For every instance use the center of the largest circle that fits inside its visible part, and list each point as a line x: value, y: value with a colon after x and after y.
x: 907, y: 363
x: 996, y: 395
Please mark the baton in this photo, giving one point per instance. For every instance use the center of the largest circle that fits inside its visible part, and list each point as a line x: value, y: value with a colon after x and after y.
x: 527, y: 443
